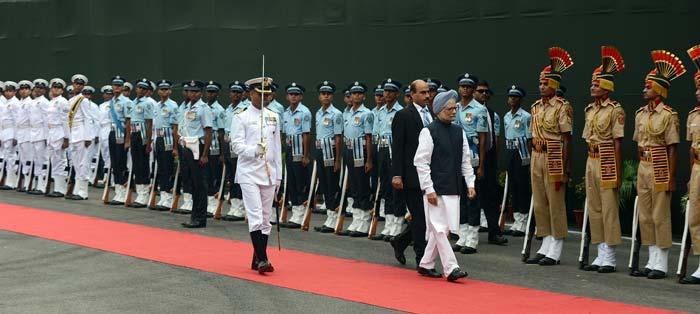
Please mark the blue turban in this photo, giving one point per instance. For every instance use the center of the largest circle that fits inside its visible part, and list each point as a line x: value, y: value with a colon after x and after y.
x: 442, y: 99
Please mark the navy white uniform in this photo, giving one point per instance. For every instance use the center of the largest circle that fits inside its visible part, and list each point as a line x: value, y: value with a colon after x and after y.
x: 38, y: 137
x: 23, y: 135
x: 80, y: 118
x: 8, y: 136
x: 58, y: 132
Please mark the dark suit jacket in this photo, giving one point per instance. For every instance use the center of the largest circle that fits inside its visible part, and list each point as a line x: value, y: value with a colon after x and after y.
x: 405, y: 129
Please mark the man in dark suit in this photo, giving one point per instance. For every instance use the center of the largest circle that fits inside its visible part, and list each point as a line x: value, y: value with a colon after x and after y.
x: 406, y: 127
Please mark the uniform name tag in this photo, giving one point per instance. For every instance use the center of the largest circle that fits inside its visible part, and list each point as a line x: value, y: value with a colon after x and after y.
x: 191, y: 115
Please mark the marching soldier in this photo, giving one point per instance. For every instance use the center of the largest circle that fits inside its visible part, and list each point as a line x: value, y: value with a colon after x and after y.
x: 37, y: 117
x: 80, y: 117
x: 58, y: 137
x: 138, y: 137
x: 296, y: 127
x: 473, y: 117
x: 603, y: 131
x: 117, y: 108
x: 237, y: 105
x: 195, y: 130
x: 394, y: 207
x: 693, y: 131
x: 256, y: 139
x: 657, y: 135
x: 549, y: 165
x: 518, y: 141
x: 358, y: 160
x: 165, y: 123
x: 9, y: 135
x: 23, y: 134
x: 329, y: 142
x: 216, y: 158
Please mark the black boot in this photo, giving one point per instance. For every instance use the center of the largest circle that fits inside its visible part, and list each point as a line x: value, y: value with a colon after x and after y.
x: 260, y: 247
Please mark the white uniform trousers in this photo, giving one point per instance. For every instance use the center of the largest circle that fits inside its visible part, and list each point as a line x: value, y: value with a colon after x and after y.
x: 9, y: 153
x: 440, y: 221
x: 59, y: 161
x: 257, y: 200
x: 80, y: 158
x: 104, y: 148
x: 26, y: 156
x: 40, y: 158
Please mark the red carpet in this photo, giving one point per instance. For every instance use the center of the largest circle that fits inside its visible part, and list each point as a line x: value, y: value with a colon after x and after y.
x: 334, y: 277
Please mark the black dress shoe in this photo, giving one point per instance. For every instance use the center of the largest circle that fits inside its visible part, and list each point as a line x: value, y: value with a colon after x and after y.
x: 388, y: 238
x: 690, y: 280
x: 136, y: 205
x: 265, y: 267
x: 456, y: 247
x: 590, y: 268
x: 35, y: 192
x: 348, y: 214
x: 6, y: 188
x: 548, y: 262
x: 378, y: 237
x: 290, y: 225
x: 643, y: 273
x: 432, y: 273
x: 656, y: 274
x: 535, y: 260
x: 194, y: 225
x: 162, y: 208
x: 325, y: 229
x: 184, y: 211
x: 210, y: 215
x: 508, y: 232
x: 232, y: 218
x: 498, y: 240
x: 398, y: 253
x: 483, y: 229
x: 113, y: 202
x: 76, y: 197
x: 606, y: 269
x: 355, y: 234
x: 55, y: 194
x: 456, y: 274
x: 517, y: 234
x: 21, y: 190
x: 343, y: 232
x: 467, y: 250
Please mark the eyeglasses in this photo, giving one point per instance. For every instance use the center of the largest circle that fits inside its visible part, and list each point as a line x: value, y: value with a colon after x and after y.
x: 451, y: 108
x: 483, y: 91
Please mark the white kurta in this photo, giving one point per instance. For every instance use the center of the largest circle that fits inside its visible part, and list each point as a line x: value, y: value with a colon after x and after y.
x: 443, y: 218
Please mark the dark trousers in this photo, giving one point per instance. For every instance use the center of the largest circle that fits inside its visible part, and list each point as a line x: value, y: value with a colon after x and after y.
x: 393, y: 200
x: 231, y: 164
x: 416, y: 227
x: 117, y: 156
x: 166, y: 164
x: 328, y: 183
x: 374, y: 174
x: 518, y: 183
x: 213, y: 170
x: 359, y: 180
x: 486, y: 197
x: 195, y: 177
x: 298, y: 180
x: 139, y: 159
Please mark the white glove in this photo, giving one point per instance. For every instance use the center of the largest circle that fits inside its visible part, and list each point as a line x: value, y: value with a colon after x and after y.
x: 261, y: 149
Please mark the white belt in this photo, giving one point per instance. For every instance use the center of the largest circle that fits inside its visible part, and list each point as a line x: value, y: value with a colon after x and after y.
x: 25, y: 126
x: 54, y: 126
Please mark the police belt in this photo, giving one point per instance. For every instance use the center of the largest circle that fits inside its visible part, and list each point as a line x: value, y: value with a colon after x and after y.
x: 356, y: 145
x: 384, y: 141
x: 296, y: 143
x: 326, y: 146
x: 167, y: 135
x: 118, y: 133
x: 139, y: 127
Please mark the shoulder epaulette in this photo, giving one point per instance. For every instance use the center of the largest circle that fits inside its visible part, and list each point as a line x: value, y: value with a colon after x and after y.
x: 242, y: 110
x: 639, y: 110
x: 588, y: 107
x: 615, y: 104
x: 538, y: 102
x: 669, y: 109
x: 694, y: 109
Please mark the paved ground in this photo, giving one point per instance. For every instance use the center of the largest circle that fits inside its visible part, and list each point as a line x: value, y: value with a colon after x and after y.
x: 42, y: 276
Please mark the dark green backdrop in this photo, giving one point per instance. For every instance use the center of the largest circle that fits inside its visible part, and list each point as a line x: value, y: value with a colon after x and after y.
x: 309, y: 41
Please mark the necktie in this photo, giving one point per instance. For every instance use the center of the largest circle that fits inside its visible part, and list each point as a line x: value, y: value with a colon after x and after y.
x: 426, y: 117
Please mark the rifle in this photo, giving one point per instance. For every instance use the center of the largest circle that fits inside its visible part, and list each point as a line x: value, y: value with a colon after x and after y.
x: 340, y: 210
x: 636, y: 240
x: 47, y: 182
x: 527, y: 244
x: 585, y: 238
x: 108, y: 185
x: 375, y: 211
x: 93, y: 175
x: 176, y: 195
x: 220, y: 195
x: 283, y: 198
x: 685, y: 246
x: 129, y: 195
x: 501, y: 217
x: 308, y: 206
x: 71, y: 186
x: 31, y: 176
x: 152, y: 197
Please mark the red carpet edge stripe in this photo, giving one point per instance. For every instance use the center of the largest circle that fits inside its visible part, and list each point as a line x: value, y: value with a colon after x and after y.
x: 351, y: 280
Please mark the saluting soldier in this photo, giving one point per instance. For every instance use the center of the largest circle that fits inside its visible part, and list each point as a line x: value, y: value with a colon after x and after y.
x: 693, y: 131
x: 518, y: 141
x: 256, y: 139
x: 603, y: 131
x: 139, y: 136
x: 82, y: 134
x: 118, y: 107
x: 358, y: 158
x: 58, y: 137
x: 195, y: 129
x: 23, y: 133
x: 656, y: 131
x: 472, y: 117
x: 9, y: 135
x: 394, y: 207
x: 236, y: 93
x: 165, y: 124
x: 216, y: 158
x: 329, y: 144
x: 551, y: 131
x: 296, y: 128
